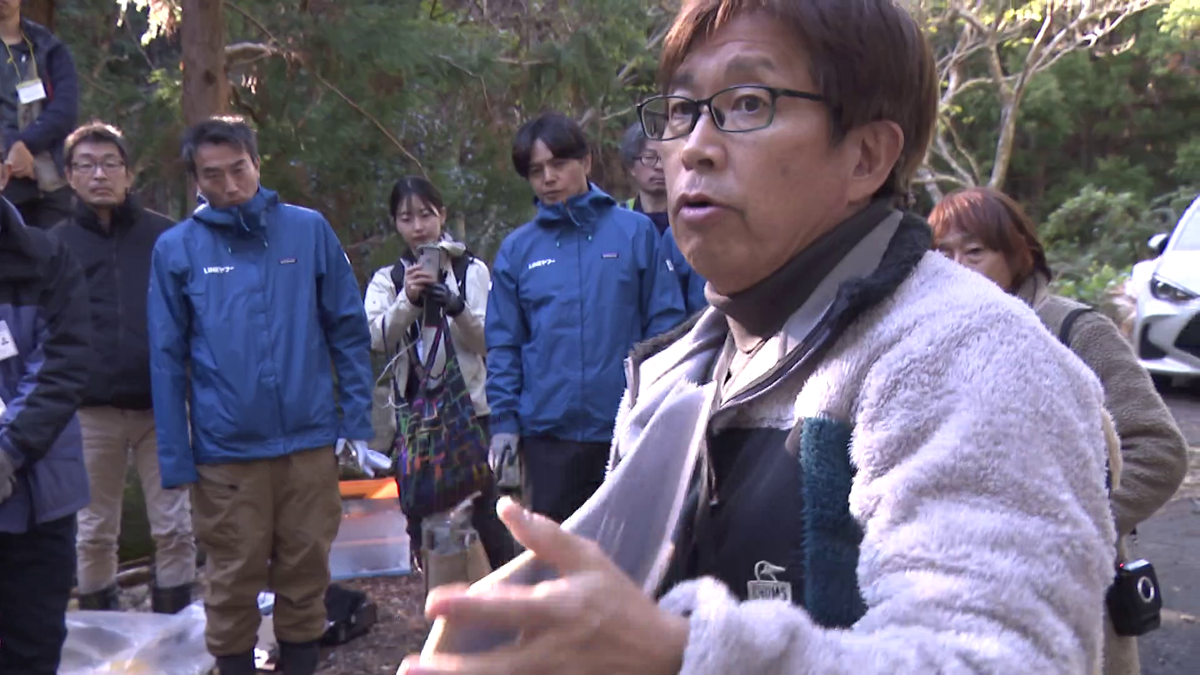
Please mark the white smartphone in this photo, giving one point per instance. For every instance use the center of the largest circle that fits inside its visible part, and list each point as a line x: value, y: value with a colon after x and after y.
x: 430, y: 259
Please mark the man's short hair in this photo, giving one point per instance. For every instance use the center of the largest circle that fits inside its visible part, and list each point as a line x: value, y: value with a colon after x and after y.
x: 96, y: 132
x: 231, y: 130
x: 870, y: 60
x: 560, y: 133
x: 632, y: 144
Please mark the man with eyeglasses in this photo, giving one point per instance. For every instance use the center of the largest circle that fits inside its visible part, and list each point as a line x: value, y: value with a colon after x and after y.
x: 39, y: 103
x: 113, y: 236
x: 642, y: 161
x: 644, y: 164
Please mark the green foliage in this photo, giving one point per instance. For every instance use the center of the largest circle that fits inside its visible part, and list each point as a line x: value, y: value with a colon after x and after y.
x: 1187, y: 162
x: 1094, y: 238
x: 1091, y: 285
x: 349, y: 96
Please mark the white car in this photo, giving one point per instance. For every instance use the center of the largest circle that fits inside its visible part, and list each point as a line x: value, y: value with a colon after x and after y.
x: 1166, y: 330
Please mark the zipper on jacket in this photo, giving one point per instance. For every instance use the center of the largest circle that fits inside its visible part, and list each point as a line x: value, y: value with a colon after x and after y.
x: 117, y: 291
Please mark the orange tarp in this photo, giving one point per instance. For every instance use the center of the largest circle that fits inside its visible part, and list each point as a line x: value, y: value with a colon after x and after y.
x: 371, y: 488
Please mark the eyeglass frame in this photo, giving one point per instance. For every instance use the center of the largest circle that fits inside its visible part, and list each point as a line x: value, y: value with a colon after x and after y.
x: 641, y: 159
x: 77, y: 166
x: 775, y: 92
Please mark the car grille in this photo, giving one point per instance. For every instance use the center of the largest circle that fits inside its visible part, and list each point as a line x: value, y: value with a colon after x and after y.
x: 1189, y: 337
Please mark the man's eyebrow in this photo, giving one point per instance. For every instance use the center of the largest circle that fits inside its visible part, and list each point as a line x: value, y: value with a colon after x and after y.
x: 749, y: 65
x: 679, y: 80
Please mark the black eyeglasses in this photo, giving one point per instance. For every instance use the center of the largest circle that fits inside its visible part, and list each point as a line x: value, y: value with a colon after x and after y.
x: 108, y: 166
x: 735, y: 110
x: 650, y: 159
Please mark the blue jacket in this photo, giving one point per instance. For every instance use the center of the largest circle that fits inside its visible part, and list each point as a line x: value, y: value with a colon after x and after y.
x: 44, y: 308
x: 251, y: 311
x: 572, y: 292
x: 690, y: 282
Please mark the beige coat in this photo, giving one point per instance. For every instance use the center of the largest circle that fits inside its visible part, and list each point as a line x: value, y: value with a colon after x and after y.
x: 385, y: 306
x: 1153, y: 449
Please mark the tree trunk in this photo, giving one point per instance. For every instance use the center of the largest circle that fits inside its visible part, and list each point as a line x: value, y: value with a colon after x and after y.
x: 1004, y: 144
x: 40, y: 11
x: 205, y: 89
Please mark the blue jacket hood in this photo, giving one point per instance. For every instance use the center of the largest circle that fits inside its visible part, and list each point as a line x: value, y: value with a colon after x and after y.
x: 583, y: 210
x: 245, y: 218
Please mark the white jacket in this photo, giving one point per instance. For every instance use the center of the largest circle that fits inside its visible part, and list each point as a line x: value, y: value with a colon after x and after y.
x: 977, y: 443
x: 387, y: 307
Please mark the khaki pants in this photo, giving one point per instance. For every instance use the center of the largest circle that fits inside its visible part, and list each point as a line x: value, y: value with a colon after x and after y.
x: 109, y: 437
x: 267, y: 524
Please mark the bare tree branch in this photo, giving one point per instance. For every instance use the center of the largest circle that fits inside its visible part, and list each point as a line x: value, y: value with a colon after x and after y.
x: 1038, y: 33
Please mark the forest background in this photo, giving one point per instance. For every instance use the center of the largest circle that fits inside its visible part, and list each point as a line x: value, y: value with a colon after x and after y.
x: 1087, y: 112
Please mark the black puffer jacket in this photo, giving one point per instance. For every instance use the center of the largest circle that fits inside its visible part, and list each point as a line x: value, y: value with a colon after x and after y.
x: 116, y: 263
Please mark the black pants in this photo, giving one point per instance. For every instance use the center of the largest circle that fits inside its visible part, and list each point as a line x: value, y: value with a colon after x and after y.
x: 47, y: 210
x: 37, y: 569
x: 561, y: 475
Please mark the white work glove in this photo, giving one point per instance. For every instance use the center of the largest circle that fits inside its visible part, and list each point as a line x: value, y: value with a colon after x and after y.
x: 501, y: 446
x: 8, y: 477
x: 368, y: 460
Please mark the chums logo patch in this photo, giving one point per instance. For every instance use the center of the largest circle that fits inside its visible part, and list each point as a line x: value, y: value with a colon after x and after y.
x: 218, y: 270
x: 609, y: 256
x: 541, y: 263
x: 287, y: 261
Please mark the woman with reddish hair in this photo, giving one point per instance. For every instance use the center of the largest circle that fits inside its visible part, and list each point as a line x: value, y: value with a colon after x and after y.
x: 987, y: 231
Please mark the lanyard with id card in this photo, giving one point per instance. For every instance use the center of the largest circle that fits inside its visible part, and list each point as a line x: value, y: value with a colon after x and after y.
x: 31, y: 89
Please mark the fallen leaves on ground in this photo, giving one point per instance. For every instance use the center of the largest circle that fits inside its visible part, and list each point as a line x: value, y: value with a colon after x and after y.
x: 400, y: 631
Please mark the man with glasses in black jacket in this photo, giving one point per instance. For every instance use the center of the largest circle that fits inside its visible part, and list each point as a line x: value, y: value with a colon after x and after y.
x: 113, y: 237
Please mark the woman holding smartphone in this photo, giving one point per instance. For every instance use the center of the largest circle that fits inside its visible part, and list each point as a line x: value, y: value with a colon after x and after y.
x: 436, y: 277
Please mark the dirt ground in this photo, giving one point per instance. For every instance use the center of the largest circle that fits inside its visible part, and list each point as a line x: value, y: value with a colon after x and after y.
x: 401, y: 629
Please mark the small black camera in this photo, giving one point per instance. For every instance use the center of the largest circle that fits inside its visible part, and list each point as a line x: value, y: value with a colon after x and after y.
x: 1135, y: 599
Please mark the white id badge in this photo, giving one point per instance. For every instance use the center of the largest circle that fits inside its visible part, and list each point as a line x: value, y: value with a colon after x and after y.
x: 31, y: 91
x: 765, y: 586
x: 8, y: 346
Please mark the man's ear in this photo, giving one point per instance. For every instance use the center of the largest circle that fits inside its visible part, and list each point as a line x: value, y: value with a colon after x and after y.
x: 877, y: 146
x: 587, y: 165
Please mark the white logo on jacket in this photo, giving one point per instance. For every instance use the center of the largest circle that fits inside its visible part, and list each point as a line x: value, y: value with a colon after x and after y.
x: 541, y: 263
x: 218, y: 270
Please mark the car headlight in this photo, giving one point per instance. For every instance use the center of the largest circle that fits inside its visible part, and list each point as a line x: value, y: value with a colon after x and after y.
x: 1165, y: 290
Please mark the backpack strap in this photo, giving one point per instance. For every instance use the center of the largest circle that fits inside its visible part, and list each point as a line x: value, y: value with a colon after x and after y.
x: 1064, y: 332
x: 460, y: 265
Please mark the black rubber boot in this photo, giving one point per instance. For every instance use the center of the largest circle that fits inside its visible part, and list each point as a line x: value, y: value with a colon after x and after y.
x: 104, y: 600
x: 171, y: 600
x: 238, y: 664
x: 299, y: 658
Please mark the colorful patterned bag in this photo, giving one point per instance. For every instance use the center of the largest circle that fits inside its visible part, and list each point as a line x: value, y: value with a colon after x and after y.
x: 441, y: 448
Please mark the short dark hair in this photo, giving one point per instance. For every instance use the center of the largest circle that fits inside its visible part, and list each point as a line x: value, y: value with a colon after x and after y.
x: 998, y: 222
x: 560, y: 133
x: 96, y: 132
x: 632, y: 144
x: 231, y: 130
x: 414, y: 187
x: 870, y: 61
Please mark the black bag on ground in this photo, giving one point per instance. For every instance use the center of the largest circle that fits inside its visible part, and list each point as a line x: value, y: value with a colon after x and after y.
x: 349, y: 615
